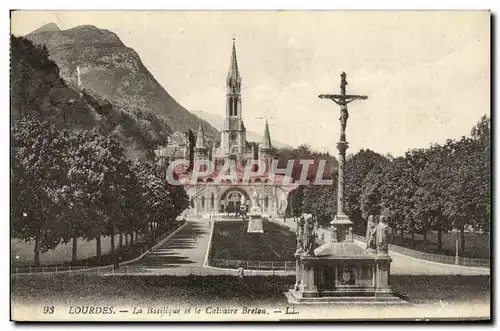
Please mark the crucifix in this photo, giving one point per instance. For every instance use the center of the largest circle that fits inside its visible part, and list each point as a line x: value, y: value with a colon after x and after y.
x: 342, y: 100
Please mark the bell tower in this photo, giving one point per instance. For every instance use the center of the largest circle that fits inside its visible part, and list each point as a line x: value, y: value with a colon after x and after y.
x: 234, y: 132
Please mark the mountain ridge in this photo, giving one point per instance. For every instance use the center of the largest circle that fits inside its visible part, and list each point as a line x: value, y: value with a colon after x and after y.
x: 38, y: 91
x: 114, y: 72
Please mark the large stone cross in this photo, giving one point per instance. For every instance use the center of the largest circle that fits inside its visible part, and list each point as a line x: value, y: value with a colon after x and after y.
x: 342, y: 100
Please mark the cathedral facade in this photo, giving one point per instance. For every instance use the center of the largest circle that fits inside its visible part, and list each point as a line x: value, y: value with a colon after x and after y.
x: 210, y: 195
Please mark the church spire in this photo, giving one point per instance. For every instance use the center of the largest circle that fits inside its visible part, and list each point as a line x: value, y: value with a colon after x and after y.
x: 233, y: 76
x: 200, y: 138
x: 266, y: 141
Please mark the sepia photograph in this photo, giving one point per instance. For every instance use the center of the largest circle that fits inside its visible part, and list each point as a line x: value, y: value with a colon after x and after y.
x: 250, y: 166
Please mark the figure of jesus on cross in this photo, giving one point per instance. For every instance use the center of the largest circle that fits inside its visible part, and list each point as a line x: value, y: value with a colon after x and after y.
x: 342, y: 100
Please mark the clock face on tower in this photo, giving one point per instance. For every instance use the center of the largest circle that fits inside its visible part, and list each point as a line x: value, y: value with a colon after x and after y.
x: 233, y: 136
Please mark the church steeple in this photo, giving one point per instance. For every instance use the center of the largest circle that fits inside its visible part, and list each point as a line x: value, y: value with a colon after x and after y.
x: 265, y: 148
x: 200, y: 149
x: 233, y: 87
x: 233, y: 76
x: 266, y: 141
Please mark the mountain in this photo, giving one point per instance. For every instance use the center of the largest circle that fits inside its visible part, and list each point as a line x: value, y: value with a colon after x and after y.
x: 114, y: 72
x: 49, y: 27
x: 38, y: 90
x: 218, y: 121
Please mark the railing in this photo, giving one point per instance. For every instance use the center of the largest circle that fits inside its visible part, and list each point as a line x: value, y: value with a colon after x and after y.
x: 61, y: 270
x: 252, y: 265
x: 445, y: 259
x: 145, y: 270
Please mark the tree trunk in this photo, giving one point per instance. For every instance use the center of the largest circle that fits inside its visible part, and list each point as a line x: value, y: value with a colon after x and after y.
x: 132, y: 238
x: 462, y: 240
x: 112, y: 239
x: 98, y: 248
x: 37, y: 251
x: 412, y: 238
x: 126, y: 239
x: 424, y: 234
x: 120, y: 240
x: 402, y: 234
x: 440, y: 237
x: 75, y: 243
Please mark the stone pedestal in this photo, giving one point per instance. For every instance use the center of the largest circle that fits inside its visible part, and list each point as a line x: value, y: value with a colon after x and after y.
x: 255, y: 221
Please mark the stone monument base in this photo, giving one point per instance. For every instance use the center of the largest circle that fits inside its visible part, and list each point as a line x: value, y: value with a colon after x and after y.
x: 343, y: 273
x: 255, y: 223
x: 295, y: 297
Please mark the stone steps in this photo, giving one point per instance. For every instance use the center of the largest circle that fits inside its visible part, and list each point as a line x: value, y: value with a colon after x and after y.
x: 255, y: 225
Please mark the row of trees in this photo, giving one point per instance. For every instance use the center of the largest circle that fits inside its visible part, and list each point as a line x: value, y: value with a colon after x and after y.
x: 79, y: 184
x: 438, y: 189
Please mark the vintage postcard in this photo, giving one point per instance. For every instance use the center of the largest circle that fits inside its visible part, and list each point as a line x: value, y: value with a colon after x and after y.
x: 250, y: 165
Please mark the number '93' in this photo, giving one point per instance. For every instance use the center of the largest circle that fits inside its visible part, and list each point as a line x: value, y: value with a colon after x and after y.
x: 48, y: 309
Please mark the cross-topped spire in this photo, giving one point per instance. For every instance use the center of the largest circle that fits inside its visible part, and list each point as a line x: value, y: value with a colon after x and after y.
x: 266, y: 141
x: 200, y: 138
x: 233, y: 76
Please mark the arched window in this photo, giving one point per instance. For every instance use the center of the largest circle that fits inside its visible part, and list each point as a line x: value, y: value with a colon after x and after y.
x: 210, y: 180
x: 257, y: 180
x: 235, y: 107
x: 212, y: 201
x: 203, y: 202
x: 266, y: 201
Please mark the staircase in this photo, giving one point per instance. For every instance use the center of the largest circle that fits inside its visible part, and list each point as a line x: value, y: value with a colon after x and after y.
x: 255, y: 224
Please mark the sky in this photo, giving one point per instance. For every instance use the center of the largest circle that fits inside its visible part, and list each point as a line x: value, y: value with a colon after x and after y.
x: 426, y: 73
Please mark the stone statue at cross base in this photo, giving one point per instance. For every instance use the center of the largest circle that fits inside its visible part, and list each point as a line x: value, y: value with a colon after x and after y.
x: 382, y: 236
x: 309, y: 235
x: 370, y: 233
x: 300, y: 234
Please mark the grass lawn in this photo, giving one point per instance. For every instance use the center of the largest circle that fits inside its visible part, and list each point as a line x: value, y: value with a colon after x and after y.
x: 230, y: 241
x: 86, y: 252
x: 224, y: 290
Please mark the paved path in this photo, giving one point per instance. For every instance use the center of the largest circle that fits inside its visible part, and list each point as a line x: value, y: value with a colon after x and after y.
x: 185, y: 253
x: 187, y: 247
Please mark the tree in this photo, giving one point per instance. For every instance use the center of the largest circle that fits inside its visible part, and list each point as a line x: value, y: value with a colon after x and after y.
x: 162, y: 202
x: 371, y: 196
x: 98, y: 177
x: 321, y: 201
x: 468, y: 198
x: 431, y: 195
x: 357, y: 168
x: 396, y: 199
x: 37, y: 156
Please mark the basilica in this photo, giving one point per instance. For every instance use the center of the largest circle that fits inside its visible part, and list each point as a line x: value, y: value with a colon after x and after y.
x: 210, y: 196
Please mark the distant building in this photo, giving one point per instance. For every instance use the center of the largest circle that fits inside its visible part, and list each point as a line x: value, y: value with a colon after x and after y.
x: 177, y: 148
